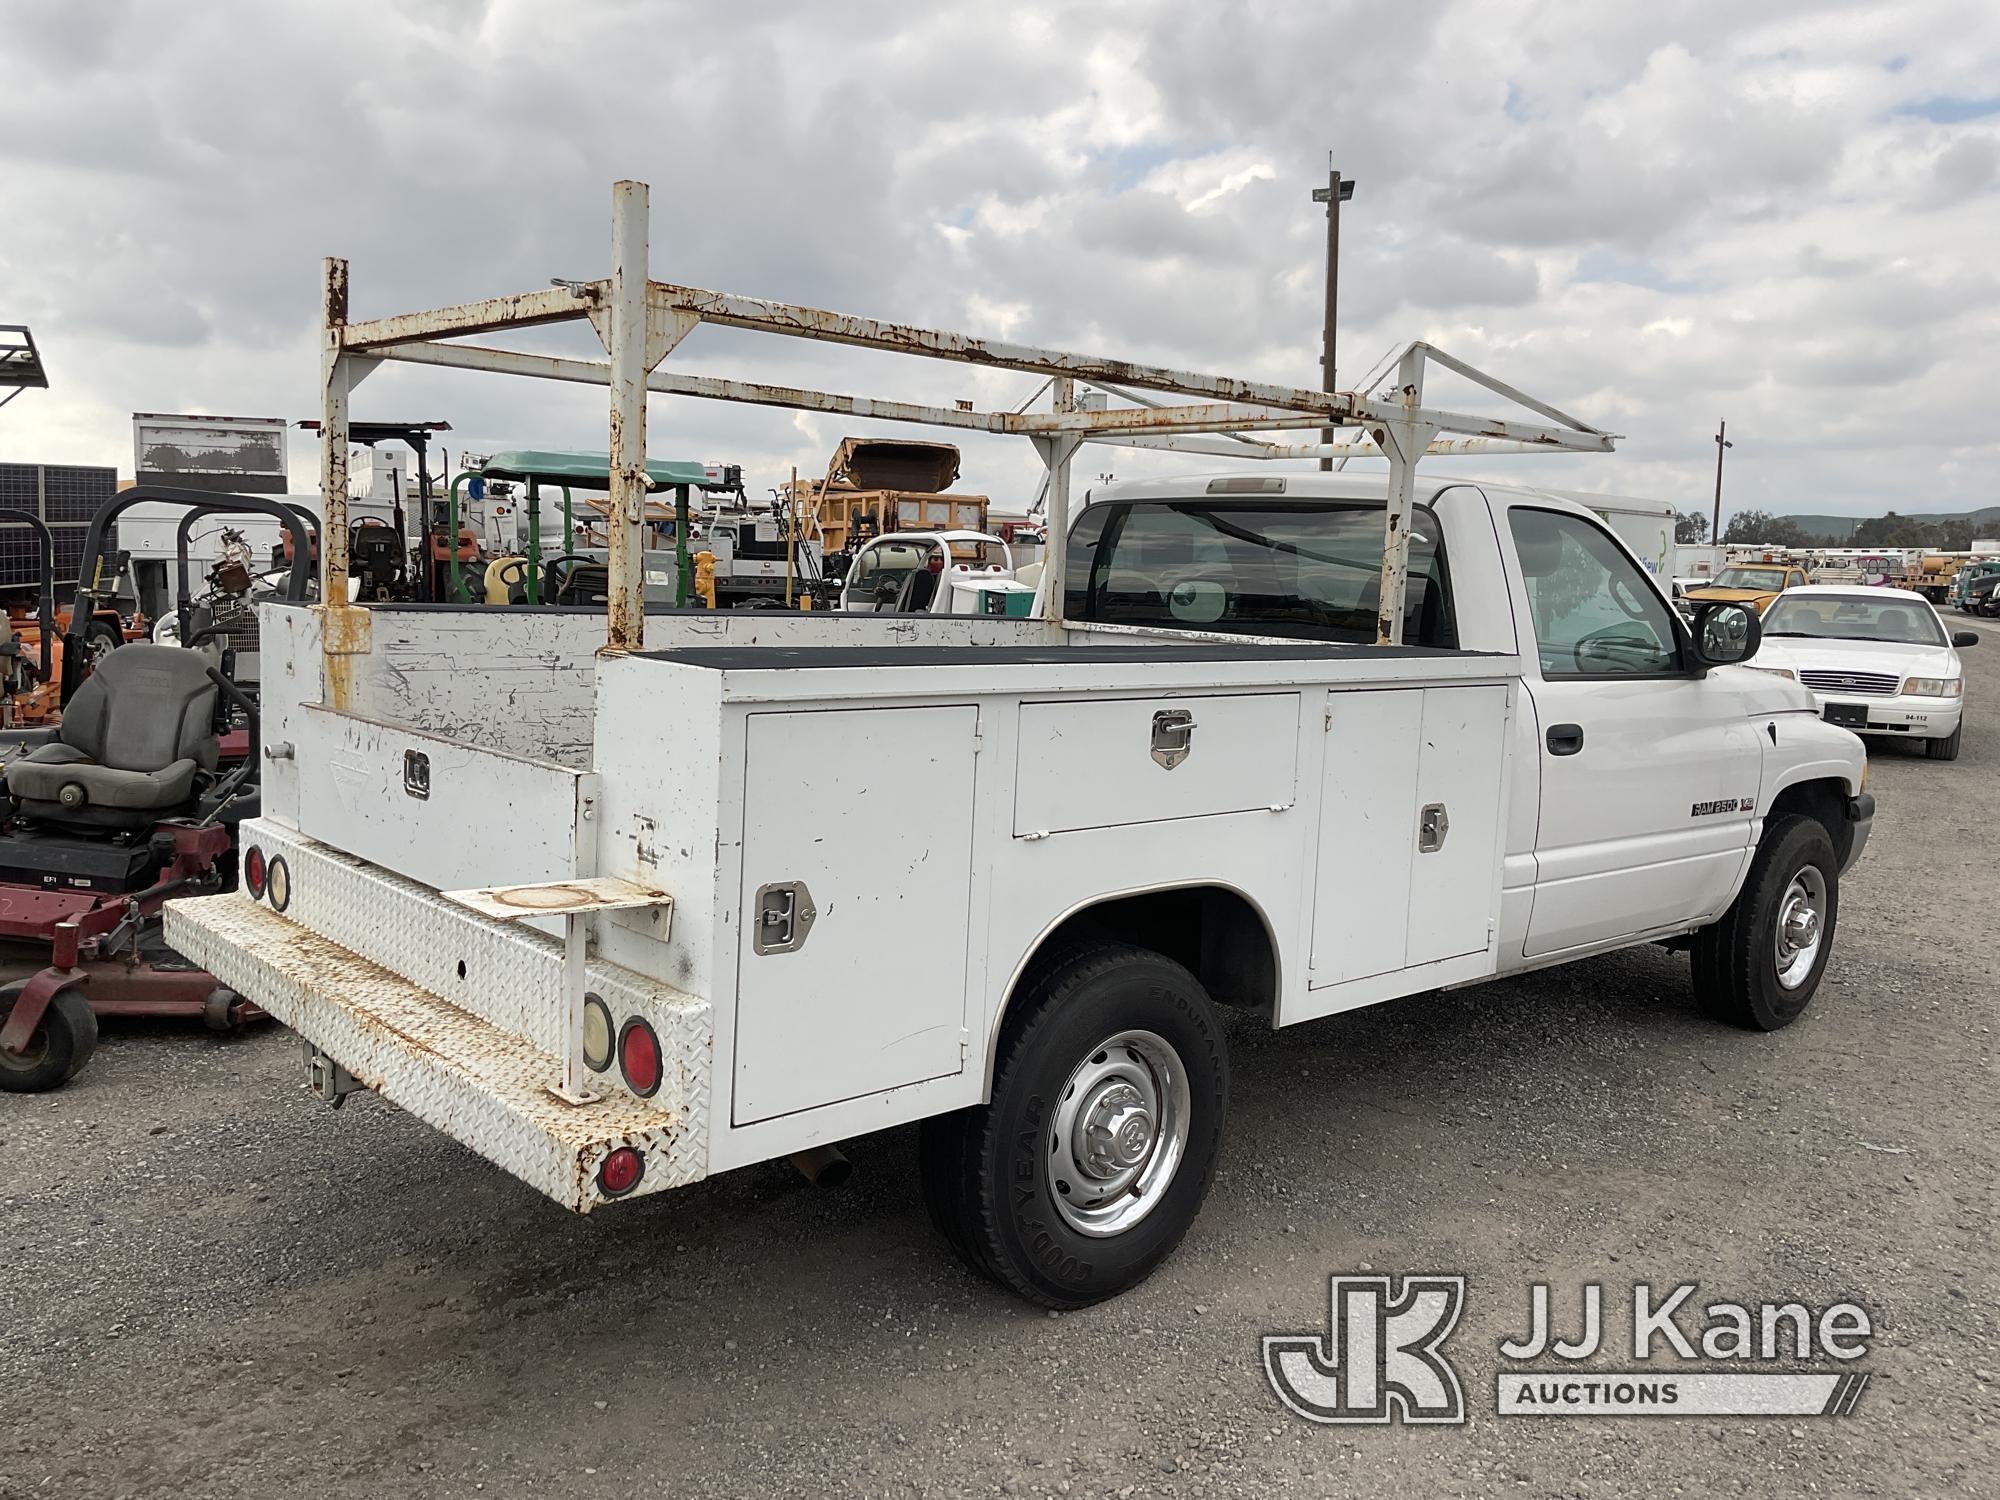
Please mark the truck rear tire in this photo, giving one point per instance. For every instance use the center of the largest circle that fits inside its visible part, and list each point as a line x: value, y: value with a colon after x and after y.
x: 59, y: 1048
x: 1759, y: 966
x: 1093, y: 1158
x: 1946, y: 748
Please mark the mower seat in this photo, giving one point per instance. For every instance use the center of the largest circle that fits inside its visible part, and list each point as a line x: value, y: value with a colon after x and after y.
x: 130, y: 741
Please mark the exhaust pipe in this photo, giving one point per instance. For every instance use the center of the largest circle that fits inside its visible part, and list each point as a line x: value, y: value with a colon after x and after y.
x: 823, y: 1166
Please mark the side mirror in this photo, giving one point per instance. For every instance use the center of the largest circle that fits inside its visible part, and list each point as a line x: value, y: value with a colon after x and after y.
x: 1965, y: 638
x: 1726, y: 635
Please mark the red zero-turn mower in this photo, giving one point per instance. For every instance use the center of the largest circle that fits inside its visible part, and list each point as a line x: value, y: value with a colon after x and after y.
x: 123, y: 806
x: 119, y: 812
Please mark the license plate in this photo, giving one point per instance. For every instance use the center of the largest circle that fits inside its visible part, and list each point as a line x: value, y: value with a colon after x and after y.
x: 1847, y: 715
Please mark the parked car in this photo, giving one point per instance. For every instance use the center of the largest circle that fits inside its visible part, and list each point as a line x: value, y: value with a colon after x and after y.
x: 1755, y: 585
x: 1879, y: 661
x: 1678, y: 591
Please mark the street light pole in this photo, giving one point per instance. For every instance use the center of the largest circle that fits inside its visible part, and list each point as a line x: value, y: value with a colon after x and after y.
x: 1336, y: 192
x: 1721, y: 442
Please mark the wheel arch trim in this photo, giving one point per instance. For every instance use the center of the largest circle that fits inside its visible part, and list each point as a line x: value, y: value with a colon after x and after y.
x: 1089, y: 903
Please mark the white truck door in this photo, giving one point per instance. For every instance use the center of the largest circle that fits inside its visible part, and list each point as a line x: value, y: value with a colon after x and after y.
x: 1649, y: 773
x: 857, y: 878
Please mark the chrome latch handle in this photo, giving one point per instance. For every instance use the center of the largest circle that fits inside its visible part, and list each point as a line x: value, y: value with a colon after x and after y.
x: 1432, y: 826
x: 1173, y: 736
x: 782, y: 916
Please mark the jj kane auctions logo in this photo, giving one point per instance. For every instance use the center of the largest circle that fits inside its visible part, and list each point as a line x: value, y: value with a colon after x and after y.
x: 1382, y: 1358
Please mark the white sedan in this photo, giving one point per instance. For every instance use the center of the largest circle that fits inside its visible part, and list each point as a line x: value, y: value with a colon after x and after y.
x: 1879, y: 661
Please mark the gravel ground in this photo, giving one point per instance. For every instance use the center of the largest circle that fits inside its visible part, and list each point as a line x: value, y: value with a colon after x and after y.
x: 214, y: 1286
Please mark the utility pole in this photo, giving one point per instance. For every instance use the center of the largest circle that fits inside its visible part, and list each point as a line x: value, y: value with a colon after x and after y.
x: 1721, y: 443
x: 1336, y: 192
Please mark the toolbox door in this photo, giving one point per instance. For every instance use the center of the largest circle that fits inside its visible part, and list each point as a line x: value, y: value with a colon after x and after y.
x: 1109, y: 762
x: 857, y: 879
x: 1455, y: 873
x: 1367, y: 835
x: 1408, y: 869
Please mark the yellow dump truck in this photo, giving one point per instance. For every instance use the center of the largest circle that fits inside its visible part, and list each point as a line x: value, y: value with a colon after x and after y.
x: 877, y: 485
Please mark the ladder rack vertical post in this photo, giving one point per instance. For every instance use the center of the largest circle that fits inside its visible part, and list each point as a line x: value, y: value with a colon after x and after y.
x: 1403, y: 440
x: 626, y: 611
x: 335, y: 379
x: 1056, y: 451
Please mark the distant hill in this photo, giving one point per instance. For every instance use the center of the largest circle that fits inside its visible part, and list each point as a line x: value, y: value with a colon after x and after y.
x: 1985, y: 521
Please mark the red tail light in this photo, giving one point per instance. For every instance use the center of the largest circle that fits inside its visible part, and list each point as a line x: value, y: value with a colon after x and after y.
x: 620, y: 1172
x: 639, y: 1057
x: 254, y: 872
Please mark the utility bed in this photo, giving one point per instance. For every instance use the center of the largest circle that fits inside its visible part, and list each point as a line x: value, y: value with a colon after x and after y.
x: 862, y: 841
x: 621, y: 900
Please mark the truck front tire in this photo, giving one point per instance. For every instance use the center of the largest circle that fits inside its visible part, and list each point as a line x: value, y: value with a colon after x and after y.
x: 1093, y: 1157
x: 1759, y: 966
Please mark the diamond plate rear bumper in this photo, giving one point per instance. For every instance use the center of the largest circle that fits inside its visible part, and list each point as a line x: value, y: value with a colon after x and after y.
x: 480, y: 1084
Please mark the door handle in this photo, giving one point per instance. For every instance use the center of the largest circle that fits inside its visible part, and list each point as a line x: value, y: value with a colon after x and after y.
x: 1565, y: 739
x: 1432, y: 826
x: 1173, y: 736
x: 781, y: 916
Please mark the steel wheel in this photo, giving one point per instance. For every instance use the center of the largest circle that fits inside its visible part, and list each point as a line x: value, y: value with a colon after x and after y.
x: 1760, y: 963
x: 1090, y: 1161
x: 1120, y: 1133
x: 1800, y: 927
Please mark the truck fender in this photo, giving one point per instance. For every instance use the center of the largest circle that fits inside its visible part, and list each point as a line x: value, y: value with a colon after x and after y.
x: 1240, y: 954
x: 1816, y: 788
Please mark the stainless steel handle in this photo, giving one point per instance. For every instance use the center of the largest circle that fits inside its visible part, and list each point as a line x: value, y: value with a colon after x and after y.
x: 1432, y: 826
x: 1173, y: 736
x: 782, y: 917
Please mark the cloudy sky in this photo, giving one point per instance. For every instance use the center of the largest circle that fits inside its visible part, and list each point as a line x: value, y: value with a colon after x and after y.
x: 1785, y: 214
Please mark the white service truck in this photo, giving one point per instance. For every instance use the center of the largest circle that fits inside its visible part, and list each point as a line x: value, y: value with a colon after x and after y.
x: 622, y: 918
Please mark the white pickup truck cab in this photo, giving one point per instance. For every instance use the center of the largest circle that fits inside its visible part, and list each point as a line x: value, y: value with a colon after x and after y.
x: 625, y: 900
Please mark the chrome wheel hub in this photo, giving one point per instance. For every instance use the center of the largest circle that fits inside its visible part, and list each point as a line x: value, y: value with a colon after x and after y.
x: 1115, y: 1131
x: 1119, y: 1134
x: 1801, y: 926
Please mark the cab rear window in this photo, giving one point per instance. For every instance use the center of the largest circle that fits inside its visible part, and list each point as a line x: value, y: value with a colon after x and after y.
x: 1308, y: 569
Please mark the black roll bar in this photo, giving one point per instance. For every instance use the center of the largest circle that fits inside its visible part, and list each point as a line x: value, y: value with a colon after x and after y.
x: 295, y: 591
x: 93, y: 555
x: 45, y: 599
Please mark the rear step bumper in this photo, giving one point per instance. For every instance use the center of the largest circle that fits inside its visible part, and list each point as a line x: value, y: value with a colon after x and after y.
x: 478, y: 1083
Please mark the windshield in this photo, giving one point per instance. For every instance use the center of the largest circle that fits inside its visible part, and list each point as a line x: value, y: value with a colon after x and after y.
x: 1302, y: 568
x: 895, y: 576
x: 1750, y: 578
x: 1854, y: 617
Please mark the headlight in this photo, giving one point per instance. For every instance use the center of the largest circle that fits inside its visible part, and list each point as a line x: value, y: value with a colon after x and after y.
x: 1934, y: 687
x: 1774, y: 671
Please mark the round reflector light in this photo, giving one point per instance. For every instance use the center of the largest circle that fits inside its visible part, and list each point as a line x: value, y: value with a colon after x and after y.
x: 597, y: 1033
x: 639, y: 1057
x: 278, y: 881
x: 620, y: 1172
x: 253, y: 872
